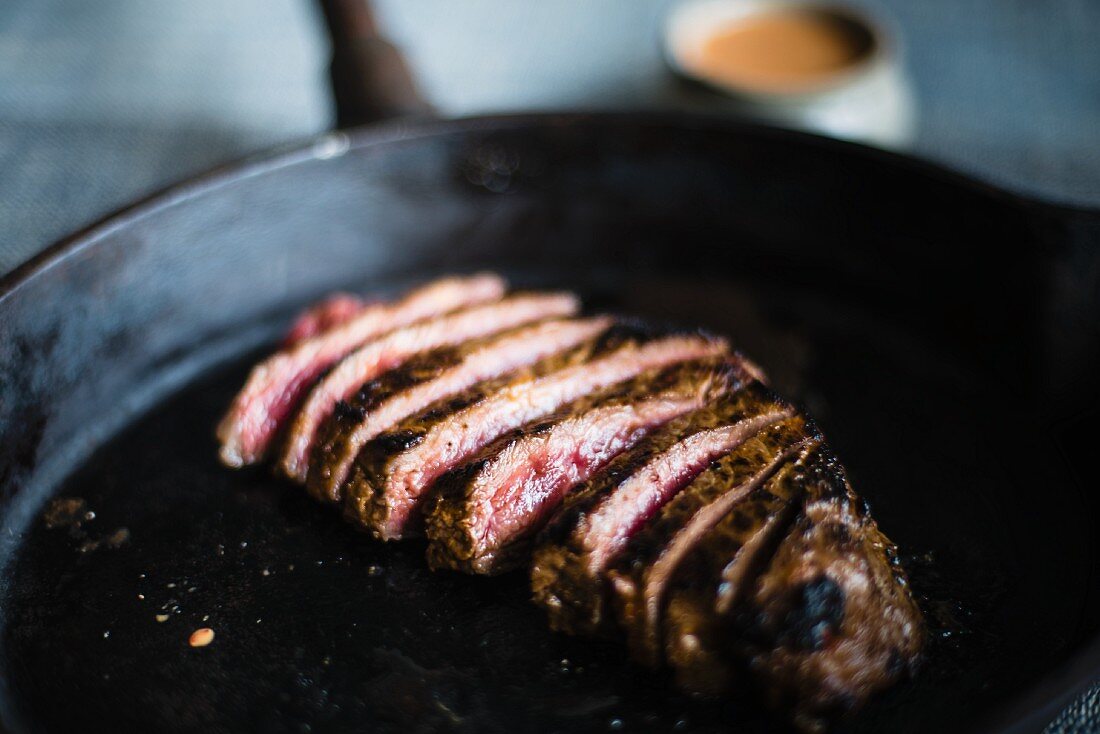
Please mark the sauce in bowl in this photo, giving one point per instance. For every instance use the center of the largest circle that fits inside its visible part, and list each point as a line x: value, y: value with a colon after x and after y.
x: 783, y: 50
x: 802, y: 64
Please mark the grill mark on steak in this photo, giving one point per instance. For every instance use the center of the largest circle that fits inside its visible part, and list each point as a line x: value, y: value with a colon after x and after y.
x: 276, y: 386
x: 597, y: 519
x: 831, y: 620
x: 422, y: 381
x: 639, y: 578
x: 486, y: 511
x: 391, y: 350
x: 395, y: 471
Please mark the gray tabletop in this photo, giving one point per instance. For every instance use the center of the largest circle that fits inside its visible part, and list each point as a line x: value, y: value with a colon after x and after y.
x: 104, y: 101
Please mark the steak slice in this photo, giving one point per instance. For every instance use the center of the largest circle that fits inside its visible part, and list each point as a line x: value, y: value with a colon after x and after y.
x: 276, y: 386
x: 597, y: 519
x: 639, y: 578
x: 337, y: 309
x: 422, y: 381
x: 375, y: 357
x: 831, y: 620
x: 395, y: 470
x: 714, y: 574
x: 486, y: 511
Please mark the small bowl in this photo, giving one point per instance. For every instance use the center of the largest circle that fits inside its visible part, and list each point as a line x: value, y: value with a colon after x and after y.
x: 867, y: 100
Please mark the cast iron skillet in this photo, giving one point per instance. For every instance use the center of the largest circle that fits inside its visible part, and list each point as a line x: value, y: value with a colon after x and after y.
x: 944, y: 334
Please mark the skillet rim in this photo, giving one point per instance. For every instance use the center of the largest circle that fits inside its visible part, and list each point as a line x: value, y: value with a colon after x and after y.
x: 1036, y: 706
x: 335, y: 143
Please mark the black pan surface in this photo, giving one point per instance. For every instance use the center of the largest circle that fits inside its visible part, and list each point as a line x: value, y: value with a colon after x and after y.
x: 941, y: 333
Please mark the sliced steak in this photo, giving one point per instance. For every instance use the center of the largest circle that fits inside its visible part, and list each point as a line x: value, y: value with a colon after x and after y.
x: 391, y: 350
x: 364, y: 503
x: 598, y: 518
x: 487, y: 511
x: 415, y: 385
x: 639, y: 578
x: 395, y: 470
x: 714, y: 575
x: 831, y: 620
x: 276, y: 386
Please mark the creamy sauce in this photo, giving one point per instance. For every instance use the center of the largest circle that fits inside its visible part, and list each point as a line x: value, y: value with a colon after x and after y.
x: 791, y: 50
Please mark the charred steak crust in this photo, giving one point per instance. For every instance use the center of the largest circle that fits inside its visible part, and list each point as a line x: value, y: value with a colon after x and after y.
x: 714, y: 574
x: 425, y: 379
x: 395, y: 472
x: 574, y: 549
x: 638, y: 580
x: 831, y: 620
x: 474, y: 525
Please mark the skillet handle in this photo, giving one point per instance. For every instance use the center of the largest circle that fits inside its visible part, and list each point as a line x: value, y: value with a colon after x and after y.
x: 370, y: 79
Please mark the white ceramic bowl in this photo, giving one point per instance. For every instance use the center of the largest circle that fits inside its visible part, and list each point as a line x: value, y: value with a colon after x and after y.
x: 869, y: 101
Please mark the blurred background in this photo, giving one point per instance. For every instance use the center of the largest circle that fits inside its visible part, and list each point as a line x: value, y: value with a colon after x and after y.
x: 104, y: 101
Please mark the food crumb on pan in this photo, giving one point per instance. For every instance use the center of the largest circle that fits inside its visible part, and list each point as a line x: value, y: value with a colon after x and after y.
x: 201, y: 637
x: 115, y: 540
x: 65, y: 512
x: 162, y: 617
x: 118, y: 537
